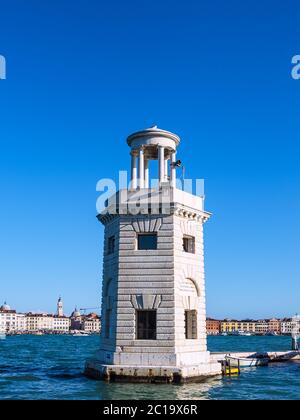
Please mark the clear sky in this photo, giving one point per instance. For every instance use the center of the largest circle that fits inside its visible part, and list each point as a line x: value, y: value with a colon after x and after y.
x: 82, y: 75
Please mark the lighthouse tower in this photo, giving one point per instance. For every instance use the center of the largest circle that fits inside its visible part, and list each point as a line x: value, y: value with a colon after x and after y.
x: 153, y: 295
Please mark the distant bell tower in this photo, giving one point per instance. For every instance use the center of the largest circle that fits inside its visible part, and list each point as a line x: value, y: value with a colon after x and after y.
x: 153, y: 295
x: 60, y: 307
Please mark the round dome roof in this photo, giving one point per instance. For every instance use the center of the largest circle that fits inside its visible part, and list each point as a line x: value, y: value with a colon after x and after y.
x: 75, y: 313
x: 5, y: 307
x: 153, y: 136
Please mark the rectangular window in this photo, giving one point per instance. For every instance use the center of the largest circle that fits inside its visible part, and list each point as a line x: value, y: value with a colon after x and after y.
x: 189, y: 244
x: 111, y: 245
x: 107, y: 323
x: 190, y: 325
x: 147, y: 241
x: 146, y: 325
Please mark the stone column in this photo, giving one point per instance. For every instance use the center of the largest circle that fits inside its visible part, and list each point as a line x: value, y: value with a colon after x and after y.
x: 133, y: 170
x: 146, y: 180
x: 141, y: 168
x: 161, y: 163
x: 173, y: 170
x: 166, y: 169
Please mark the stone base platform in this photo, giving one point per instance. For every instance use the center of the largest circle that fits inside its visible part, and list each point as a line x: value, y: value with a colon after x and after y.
x: 147, y: 374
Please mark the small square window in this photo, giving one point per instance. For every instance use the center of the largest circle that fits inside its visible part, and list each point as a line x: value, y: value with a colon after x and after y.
x: 188, y: 244
x: 111, y: 245
x: 147, y: 241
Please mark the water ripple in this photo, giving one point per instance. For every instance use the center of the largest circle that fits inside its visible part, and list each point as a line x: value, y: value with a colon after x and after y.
x: 32, y: 368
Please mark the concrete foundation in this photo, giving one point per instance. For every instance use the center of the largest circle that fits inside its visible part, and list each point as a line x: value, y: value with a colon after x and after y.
x: 151, y: 374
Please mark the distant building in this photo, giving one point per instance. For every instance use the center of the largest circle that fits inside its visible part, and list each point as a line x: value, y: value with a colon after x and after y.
x: 229, y: 326
x: 275, y: 326
x: 76, y: 320
x: 213, y: 326
x: 12, y: 322
x: 61, y: 324
x: 91, y: 323
x: 286, y: 326
x: 21, y: 323
x: 60, y: 308
x: 262, y: 327
x: 247, y: 325
x: 39, y: 322
x: 8, y: 318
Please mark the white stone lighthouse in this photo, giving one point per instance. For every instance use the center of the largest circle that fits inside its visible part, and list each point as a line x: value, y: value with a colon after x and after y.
x: 153, y: 298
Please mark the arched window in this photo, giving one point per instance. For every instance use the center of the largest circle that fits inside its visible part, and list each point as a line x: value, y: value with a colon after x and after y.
x: 189, y: 287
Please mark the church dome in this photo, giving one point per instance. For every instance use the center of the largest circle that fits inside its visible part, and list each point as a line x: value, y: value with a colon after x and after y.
x: 5, y: 307
x: 75, y: 313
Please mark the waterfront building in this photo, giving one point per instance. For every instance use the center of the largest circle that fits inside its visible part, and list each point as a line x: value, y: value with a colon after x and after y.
x: 76, y: 320
x: 21, y: 323
x: 229, y: 326
x: 212, y: 326
x: 261, y: 327
x: 61, y: 324
x: 274, y: 326
x: 8, y: 318
x: 91, y: 323
x: 247, y: 325
x: 153, y: 299
x: 286, y: 326
x: 39, y: 322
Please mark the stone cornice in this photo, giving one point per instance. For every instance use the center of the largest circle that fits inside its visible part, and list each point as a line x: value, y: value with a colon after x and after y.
x: 174, y: 209
x: 191, y: 214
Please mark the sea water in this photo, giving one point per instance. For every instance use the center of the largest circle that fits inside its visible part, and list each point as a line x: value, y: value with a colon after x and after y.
x: 50, y: 367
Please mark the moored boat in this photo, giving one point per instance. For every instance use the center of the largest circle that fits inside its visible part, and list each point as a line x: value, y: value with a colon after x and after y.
x: 80, y: 334
x: 247, y: 361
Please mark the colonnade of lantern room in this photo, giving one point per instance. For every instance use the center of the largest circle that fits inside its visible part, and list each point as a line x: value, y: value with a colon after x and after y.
x: 153, y: 144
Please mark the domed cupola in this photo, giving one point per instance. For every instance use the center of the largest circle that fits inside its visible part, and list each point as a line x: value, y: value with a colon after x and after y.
x: 75, y: 313
x: 5, y: 307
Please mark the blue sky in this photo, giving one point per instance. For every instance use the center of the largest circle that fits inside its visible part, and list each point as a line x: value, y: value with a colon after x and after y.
x: 82, y: 75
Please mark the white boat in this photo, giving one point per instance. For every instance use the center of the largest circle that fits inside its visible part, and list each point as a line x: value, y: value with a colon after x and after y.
x: 241, y: 333
x: 246, y: 361
x: 2, y: 336
x: 80, y: 334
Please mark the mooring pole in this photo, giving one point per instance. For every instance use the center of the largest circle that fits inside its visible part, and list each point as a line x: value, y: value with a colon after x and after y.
x: 295, y: 345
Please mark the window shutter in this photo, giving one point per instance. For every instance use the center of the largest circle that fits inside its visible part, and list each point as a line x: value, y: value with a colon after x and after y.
x: 194, y: 325
x: 191, y: 325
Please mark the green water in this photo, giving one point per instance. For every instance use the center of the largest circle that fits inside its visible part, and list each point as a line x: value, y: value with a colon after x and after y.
x: 50, y: 367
